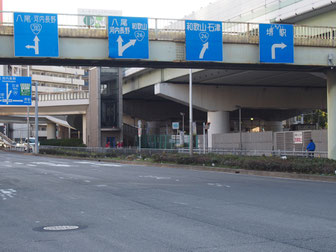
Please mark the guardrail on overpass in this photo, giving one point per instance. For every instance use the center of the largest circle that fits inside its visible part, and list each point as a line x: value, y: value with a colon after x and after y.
x: 64, y: 96
x: 174, y: 30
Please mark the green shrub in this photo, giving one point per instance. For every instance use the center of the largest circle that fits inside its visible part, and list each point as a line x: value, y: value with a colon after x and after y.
x: 292, y: 164
x: 63, y: 142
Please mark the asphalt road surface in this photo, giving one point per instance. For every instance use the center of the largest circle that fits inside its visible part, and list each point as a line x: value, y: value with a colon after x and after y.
x: 50, y: 204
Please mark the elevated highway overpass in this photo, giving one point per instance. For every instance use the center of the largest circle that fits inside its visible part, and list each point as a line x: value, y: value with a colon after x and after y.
x: 61, y: 103
x: 240, y: 76
x: 88, y: 46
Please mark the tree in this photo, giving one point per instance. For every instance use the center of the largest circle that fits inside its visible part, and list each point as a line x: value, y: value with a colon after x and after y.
x: 318, y: 117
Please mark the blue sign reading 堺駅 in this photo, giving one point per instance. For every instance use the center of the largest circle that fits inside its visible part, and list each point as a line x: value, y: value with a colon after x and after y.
x: 204, y: 41
x: 128, y: 37
x: 15, y: 90
x: 276, y: 43
x: 35, y: 35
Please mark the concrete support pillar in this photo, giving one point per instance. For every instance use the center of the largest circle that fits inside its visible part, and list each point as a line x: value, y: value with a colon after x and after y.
x: 331, y: 97
x: 84, y: 129
x: 219, y: 123
x: 274, y: 126
x: 153, y: 128
x: 51, y: 131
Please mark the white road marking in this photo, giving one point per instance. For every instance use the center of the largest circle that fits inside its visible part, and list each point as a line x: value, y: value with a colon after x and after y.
x: 87, y: 181
x: 154, y: 177
x: 97, y: 164
x: 17, y: 163
x: 181, y: 203
x: 104, y: 164
x: 7, y: 193
x: 218, y: 185
x: 52, y: 164
x: 101, y: 185
x: 31, y: 165
x: 84, y: 162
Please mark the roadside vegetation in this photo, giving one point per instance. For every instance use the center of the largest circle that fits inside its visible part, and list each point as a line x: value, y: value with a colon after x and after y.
x: 63, y: 142
x: 300, y: 165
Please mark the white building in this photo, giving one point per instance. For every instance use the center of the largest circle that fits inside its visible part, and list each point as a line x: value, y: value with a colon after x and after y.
x: 52, y: 79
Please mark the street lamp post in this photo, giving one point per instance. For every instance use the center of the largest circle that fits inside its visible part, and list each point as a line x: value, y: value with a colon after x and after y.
x: 182, y: 114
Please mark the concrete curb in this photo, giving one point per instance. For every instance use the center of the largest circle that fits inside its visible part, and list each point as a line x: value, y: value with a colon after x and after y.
x: 286, y: 175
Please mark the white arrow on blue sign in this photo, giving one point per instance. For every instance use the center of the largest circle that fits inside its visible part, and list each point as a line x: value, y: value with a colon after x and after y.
x: 15, y: 90
x: 128, y: 37
x: 35, y: 35
x: 204, y: 41
x: 276, y: 43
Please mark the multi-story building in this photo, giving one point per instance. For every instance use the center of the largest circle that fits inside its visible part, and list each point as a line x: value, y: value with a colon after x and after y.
x: 50, y: 79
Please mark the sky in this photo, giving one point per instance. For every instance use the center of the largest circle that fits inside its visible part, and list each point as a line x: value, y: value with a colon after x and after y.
x: 174, y: 9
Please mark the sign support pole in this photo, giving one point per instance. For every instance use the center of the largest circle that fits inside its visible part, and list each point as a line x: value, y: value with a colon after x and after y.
x: 36, y: 119
x: 28, y: 128
x: 28, y: 148
x: 190, y: 115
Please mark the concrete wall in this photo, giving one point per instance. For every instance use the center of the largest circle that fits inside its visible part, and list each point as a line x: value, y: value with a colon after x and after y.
x: 251, y: 141
x: 266, y: 140
x: 284, y: 140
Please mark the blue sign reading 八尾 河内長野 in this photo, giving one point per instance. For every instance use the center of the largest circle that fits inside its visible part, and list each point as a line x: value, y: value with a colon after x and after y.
x: 276, y: 43
x: 35, y: 35
x: 128, y: 37
x: 204, y: 40
x: 15, y: 90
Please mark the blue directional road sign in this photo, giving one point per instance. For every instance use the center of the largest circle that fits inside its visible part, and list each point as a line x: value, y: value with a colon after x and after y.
x: 276, y: 43
x: 35, y: 35
x: 15, y: 90
x: 204, y: 41
x: 128, y: 37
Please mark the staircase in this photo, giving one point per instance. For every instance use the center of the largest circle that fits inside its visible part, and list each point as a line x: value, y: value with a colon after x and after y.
x: 7, y: 141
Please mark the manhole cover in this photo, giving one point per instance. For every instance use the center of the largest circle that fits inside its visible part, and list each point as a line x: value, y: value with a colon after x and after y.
x: 58, y: 228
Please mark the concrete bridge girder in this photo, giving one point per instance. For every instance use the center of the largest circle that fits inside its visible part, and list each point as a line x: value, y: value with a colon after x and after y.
x: 225, y: 98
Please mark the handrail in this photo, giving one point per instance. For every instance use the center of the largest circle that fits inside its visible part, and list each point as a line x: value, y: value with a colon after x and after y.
x: 174, y: 29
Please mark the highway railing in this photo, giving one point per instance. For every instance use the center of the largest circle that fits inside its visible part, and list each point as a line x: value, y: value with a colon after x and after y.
x: 279, y: 153
x: 134, y: 150
x: 62, y: 96
x: 174, y: 30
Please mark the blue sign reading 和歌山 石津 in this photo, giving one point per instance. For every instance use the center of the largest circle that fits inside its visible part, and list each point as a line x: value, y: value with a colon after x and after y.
x: 15, y: 90
x: 204, y: 41
x: 35, y: 35
x: 276, y: 43
x: 128, y: 37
